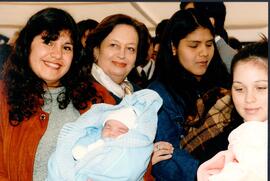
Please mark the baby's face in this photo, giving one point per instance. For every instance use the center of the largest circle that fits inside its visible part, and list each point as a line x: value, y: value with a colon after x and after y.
x: 113, y: 129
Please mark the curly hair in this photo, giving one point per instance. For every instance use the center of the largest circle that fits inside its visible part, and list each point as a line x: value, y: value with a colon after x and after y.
x: 24, y: 88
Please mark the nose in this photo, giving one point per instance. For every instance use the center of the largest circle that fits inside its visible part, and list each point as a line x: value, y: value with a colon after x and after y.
x: 56, y: 52
x: 204, y: 51
x: 250, y: 97
x: 111, y: 134
x: 121, y: 53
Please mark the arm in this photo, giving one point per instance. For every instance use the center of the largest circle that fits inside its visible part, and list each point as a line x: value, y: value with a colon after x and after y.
x: 215, y: 165
x: 181, y: 166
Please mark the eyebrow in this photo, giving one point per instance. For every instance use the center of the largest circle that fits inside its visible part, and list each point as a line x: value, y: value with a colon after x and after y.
x: 196, y: 41
x: 255, y: 81
x: 113, y: 40
x: 68, y: 43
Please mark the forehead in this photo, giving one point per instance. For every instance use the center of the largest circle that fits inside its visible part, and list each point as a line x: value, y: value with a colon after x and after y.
x: 123, y: 32
x: 200, y: 34
x: 250, y: 71
x: 253, y: 63
x: 114, y: 123
x: 61, y: 33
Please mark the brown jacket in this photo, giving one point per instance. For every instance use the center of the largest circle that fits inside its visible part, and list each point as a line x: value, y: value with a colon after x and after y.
x: 18, y: 144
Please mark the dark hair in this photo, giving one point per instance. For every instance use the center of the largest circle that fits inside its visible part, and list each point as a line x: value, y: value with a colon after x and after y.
x: 251, y: 52
x: 24, y: 88
x: 133, y: 75
x: 84, y: 25
x: 173, y: 74
x: 235, y: 43
x: 160, y: 29
x: 216, y: 10
x: 106, y: 26
x: 183, y: 4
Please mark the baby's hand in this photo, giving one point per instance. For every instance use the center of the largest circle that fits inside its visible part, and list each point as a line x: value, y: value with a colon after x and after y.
x: 214, y: 165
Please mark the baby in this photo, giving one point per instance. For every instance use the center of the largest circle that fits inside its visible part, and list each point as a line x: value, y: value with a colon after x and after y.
x: 108, y: 142
x: 117, y: 123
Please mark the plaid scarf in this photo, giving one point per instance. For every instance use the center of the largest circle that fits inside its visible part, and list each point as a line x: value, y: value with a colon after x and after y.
x: 202, y: 128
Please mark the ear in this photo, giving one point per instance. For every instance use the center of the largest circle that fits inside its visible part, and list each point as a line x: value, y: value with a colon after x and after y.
x: 174, y: 50
x: 96, y: 53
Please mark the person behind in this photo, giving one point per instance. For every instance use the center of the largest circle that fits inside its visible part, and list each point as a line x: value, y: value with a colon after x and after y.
x: 5, y: 49
x: 113, y: 49
x: 108, y: 142
x: 160, y: 28
x: 42, y: 79
x: 246, y: 156
x: 85, y: 28
x: 194, y: 83
x: 156, y: 44
x: 235, y: 43
x: 216, y: 11
x: 140, y: 75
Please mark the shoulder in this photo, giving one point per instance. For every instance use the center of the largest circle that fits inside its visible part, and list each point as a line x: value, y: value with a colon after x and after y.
x: 163, y: 92
x: 158, y: 87
x: 104, y: 93
x: 174, y: 106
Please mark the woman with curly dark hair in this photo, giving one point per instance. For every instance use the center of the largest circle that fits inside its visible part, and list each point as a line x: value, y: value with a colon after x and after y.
x: 44, y: 87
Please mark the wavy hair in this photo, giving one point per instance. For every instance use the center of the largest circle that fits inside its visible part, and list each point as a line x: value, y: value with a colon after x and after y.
x: 171, y: 73
x: 24, y: 88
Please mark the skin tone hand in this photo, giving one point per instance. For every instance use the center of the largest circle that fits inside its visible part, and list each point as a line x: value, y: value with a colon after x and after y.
x: 214, y: 165
x: 162, y: 151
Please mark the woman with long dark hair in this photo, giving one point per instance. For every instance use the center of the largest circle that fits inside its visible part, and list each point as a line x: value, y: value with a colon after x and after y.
x: 194, y: 84
x: 44, y: 86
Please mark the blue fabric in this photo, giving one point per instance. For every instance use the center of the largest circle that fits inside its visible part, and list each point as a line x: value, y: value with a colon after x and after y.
x: 125, y: 158
x: 182, y: 166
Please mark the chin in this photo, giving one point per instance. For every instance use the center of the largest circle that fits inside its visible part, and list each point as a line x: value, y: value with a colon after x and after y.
x: 254, y: 118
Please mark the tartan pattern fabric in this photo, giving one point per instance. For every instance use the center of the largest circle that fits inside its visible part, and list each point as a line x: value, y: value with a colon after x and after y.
x: 217, y: 118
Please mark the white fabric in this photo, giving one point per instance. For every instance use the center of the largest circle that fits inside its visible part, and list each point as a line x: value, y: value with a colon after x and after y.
x: 148, y: 69
x: 102, y: 78
x: 249, y: 144
x: 79, y: 151
x: 217, y: 38
x: 127, y: 116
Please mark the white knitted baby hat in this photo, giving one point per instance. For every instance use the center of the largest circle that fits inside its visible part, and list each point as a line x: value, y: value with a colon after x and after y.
x: 127, y: 116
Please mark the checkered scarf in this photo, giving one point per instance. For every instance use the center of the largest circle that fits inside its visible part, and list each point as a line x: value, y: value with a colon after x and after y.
x: 202, y: 128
